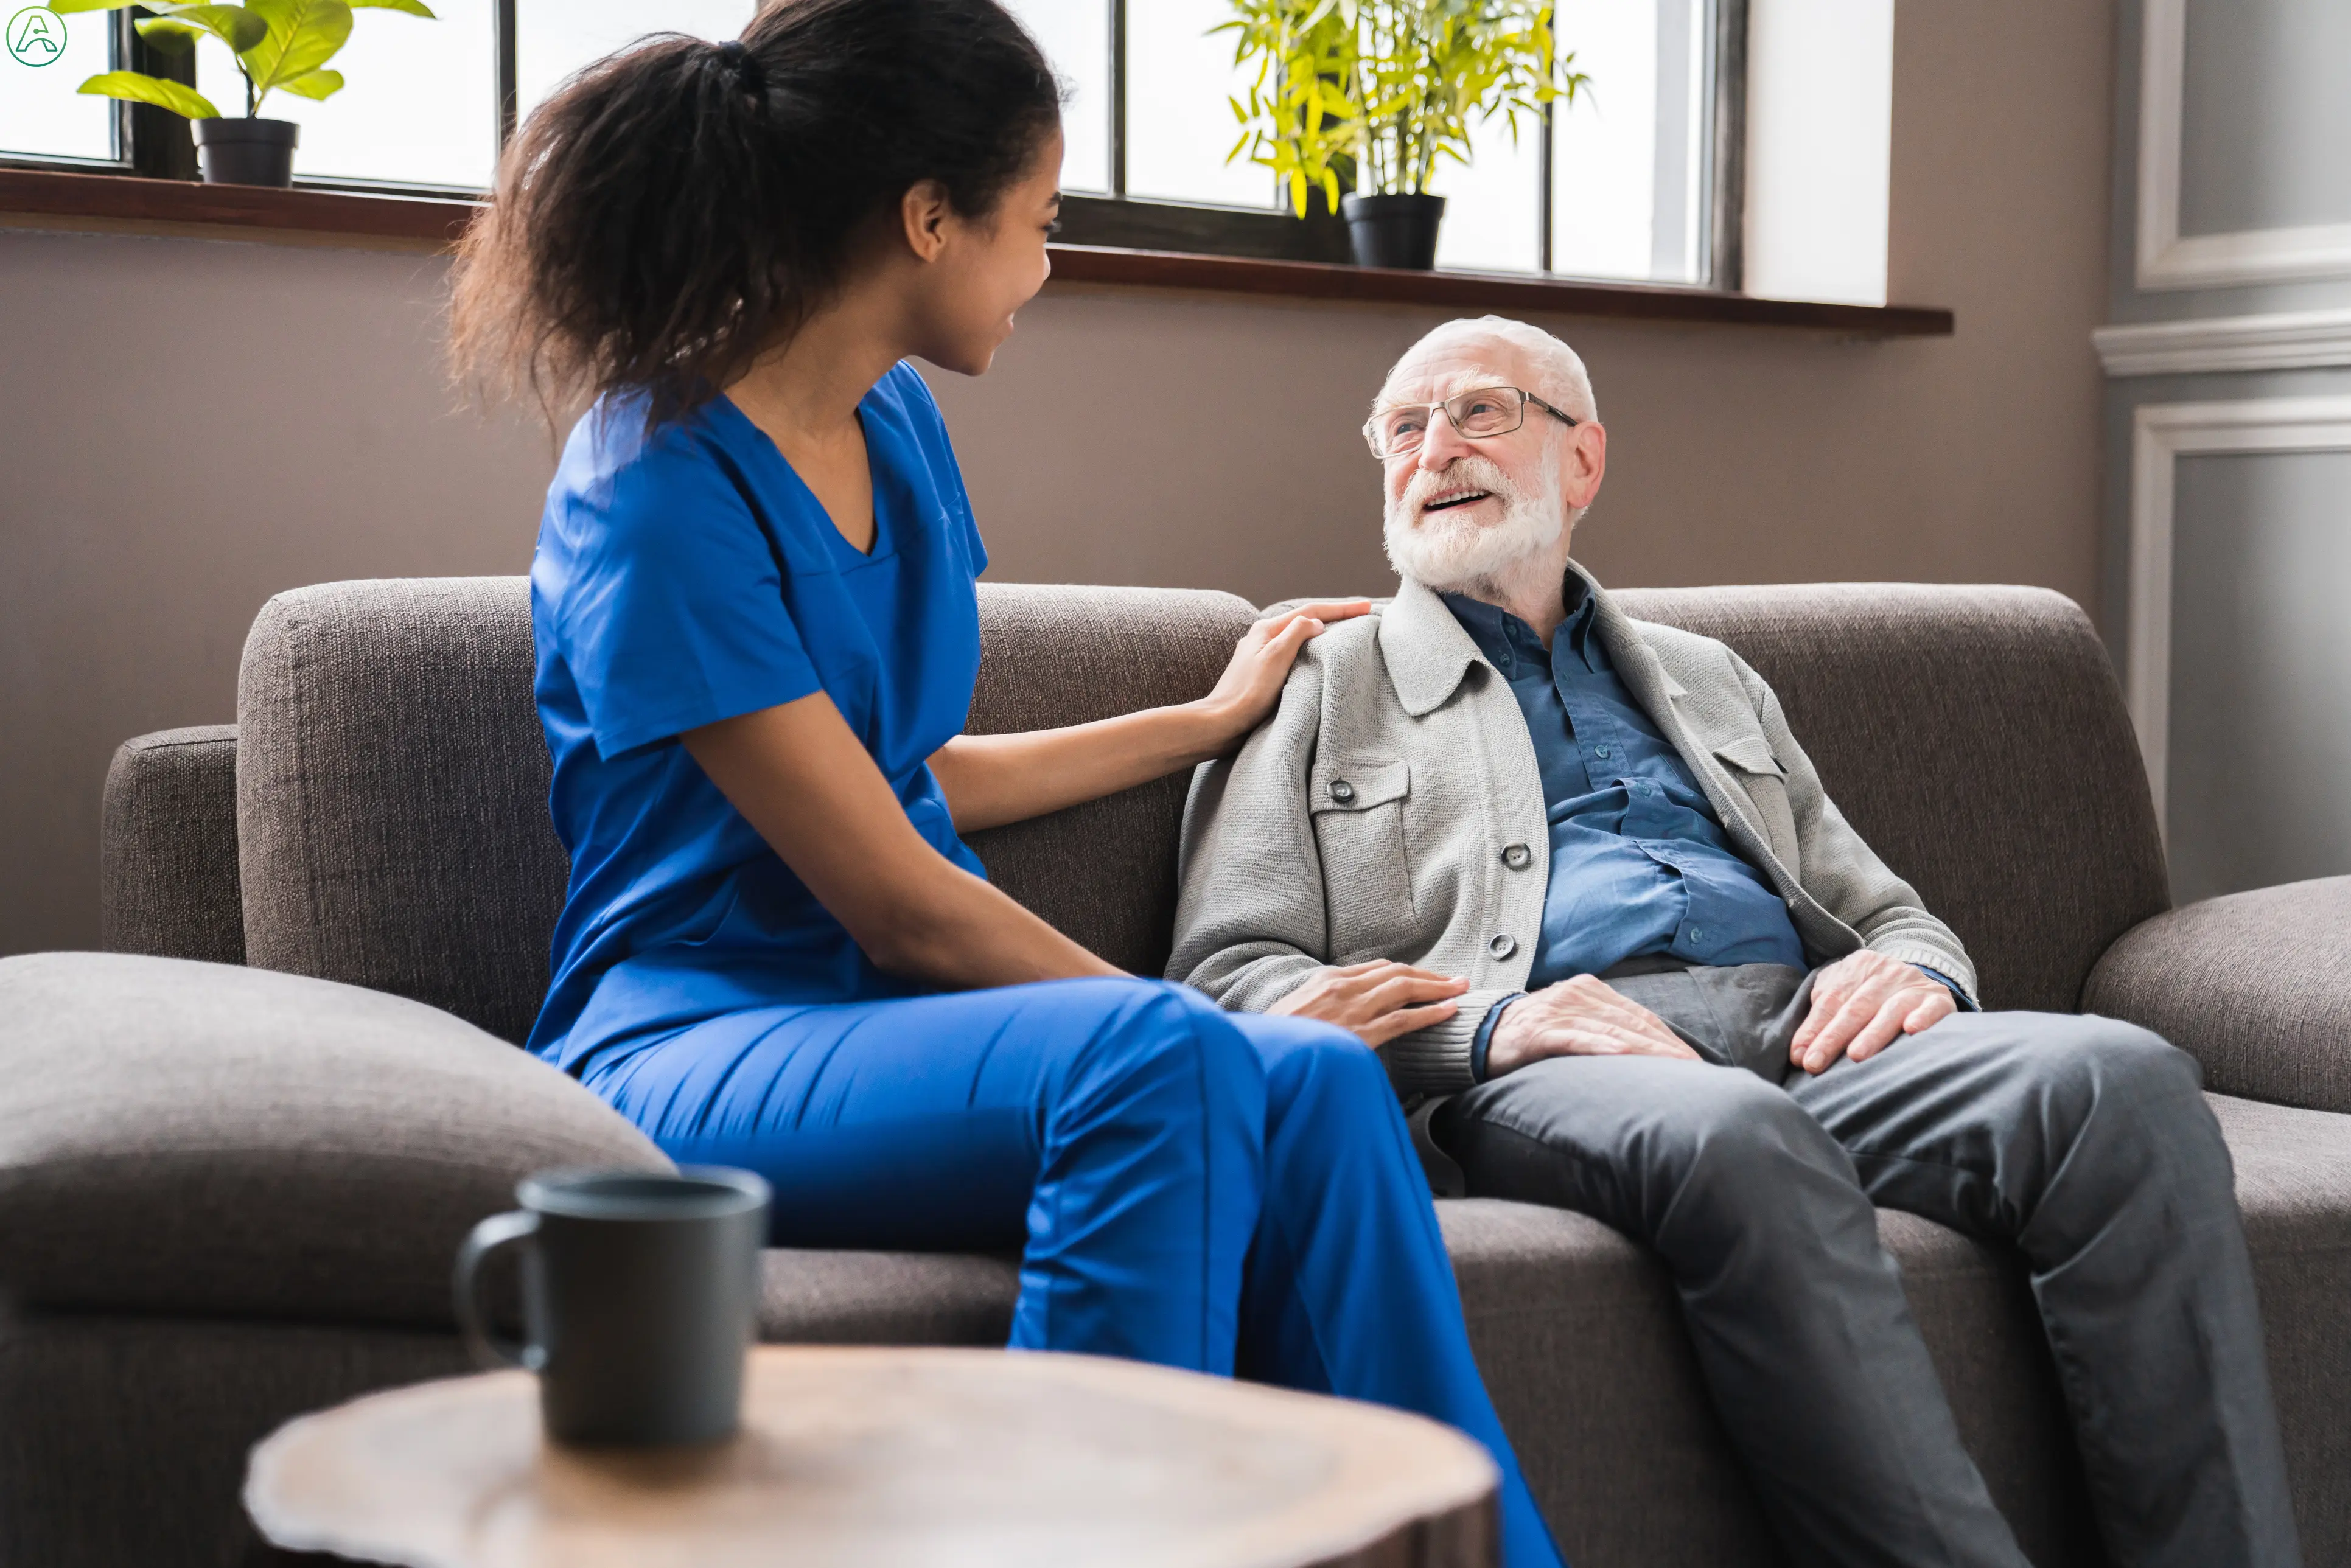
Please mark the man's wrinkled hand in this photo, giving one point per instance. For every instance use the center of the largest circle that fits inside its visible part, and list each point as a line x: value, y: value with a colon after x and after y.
x: 1375, y: 1001
x: 1863, y: 1003
x: 1580, y: 1016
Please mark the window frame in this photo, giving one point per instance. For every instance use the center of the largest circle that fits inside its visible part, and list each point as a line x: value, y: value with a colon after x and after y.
x: 1144, y: 223
x: 156, y: 144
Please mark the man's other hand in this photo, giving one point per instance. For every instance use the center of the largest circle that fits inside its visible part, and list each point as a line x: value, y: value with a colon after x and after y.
x: 1580, y: 1016
x: 1376, y: 1002
x: 1862, y: 1004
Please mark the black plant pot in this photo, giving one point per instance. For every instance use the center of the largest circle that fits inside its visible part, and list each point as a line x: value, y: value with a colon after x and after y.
x: 245, y: 152
x: 1394, y: 231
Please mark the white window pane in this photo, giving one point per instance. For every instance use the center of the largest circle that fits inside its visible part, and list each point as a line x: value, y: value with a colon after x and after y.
x: 1493, y: 204
x: 1820, y: 127
x: 418, y: 102
x: 1179, y: 121
x: 49, y: 56
x: 1603, y: 177
x: 1677, y: 219
x: 1075, y: 36
x: 554, y: 38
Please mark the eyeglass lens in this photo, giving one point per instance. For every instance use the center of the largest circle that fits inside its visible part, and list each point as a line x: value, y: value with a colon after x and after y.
x: 1488, y: 410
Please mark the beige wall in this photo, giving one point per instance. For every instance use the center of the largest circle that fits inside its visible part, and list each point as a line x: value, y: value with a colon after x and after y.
x: 189, y: 426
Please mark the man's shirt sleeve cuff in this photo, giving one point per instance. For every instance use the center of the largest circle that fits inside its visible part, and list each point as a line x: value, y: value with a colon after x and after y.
x: 1944, y: 980
x: 1484, y: 1036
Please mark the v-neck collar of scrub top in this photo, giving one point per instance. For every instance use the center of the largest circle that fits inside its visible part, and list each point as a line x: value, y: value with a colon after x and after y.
x: 845, y: 556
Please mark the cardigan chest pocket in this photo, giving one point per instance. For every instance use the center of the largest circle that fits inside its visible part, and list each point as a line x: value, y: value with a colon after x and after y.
x: 1759, y: 775
x: 1358, y: 806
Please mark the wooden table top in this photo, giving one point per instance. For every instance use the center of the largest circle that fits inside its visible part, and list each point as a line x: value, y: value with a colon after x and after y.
x: 874, y: 1457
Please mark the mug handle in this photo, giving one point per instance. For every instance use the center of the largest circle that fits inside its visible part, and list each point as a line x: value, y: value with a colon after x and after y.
x: 491, y: 1350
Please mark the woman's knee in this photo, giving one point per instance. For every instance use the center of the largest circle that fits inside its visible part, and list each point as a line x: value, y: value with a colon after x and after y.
x: 1168, y: 1038
x: 1303, y: 1057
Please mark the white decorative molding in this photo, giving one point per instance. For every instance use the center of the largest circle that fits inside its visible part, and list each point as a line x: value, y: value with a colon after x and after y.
x: 2167, y: 259
x: 2279, y: 341
x: 2161, y: 434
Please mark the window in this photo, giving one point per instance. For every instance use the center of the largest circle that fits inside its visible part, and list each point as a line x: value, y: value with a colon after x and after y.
x: 1626, y: 182
x: 554, y: 38
x: 416, y: 109
x: 48, y: 57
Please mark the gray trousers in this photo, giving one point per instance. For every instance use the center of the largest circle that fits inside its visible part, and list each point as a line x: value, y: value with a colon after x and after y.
x: 2083, y: 1142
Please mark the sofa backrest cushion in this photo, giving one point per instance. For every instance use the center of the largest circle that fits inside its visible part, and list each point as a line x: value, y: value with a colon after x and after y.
x: 392, y: 795
x: 392, y: 779
x: 1977, y: 738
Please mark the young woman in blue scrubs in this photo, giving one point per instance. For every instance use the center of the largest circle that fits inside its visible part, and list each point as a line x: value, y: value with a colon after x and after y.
x: 757, y: 640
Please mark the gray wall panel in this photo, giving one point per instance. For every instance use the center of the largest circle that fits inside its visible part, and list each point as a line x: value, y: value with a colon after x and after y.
x: 2266, y: 119
x: 2261, y: 671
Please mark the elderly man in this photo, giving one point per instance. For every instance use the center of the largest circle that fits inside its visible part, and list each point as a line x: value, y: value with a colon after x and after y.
x: 1572, y: 875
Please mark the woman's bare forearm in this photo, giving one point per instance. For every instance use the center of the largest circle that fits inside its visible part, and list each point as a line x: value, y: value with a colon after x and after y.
x: 991, y: 779
x: 801, y: 779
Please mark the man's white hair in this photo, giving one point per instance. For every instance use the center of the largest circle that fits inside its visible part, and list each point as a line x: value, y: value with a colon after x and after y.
x: 1558, y: 371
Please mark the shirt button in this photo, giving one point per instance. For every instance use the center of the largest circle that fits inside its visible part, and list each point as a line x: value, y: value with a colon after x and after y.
x: 1601, y: 752
x: 1503, y: 944
x: 1341, y: 791
x: 1698, y: 934
x: 1517, y: 856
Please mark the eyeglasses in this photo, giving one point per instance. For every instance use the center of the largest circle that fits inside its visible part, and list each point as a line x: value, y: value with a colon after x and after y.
x: 1488, y: 410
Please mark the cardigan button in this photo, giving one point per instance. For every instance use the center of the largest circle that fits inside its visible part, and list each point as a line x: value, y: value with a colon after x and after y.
x: 1503, y: 944
x: 1341, y: 791
x: 1518, y: 857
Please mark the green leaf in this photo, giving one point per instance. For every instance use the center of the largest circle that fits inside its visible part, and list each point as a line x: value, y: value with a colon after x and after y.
x: 234, y: 25
x: 408, y: 8
x: 68, y: 7
x: 171, y: 37
x: 303, y: 35
x: 314, y: 84
x: 140, y: 87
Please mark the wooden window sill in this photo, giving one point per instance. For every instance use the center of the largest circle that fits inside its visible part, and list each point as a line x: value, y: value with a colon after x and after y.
x: 119, y: 204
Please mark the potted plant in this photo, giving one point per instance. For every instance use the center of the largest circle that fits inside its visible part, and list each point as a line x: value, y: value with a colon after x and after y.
x: 281, y: 46
x: 1372, y: 92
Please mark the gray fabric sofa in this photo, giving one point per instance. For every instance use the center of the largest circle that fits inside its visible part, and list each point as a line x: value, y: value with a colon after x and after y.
x: 237, y: 1151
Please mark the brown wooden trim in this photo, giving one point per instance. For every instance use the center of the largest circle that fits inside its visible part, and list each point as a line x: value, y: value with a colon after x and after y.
x: 48, y: 199
x: 122, y: 198
x: 1631, y: 302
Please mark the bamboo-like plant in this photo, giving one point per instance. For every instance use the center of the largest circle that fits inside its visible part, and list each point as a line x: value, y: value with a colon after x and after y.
x: 281, y: 46
x: 1385, y: 87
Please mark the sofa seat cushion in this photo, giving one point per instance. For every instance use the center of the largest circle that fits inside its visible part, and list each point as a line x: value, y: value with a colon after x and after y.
x: 2293, y: 1182
x: 887, y: 1298
x: 1582, y: 1344
x: 203, y: 1139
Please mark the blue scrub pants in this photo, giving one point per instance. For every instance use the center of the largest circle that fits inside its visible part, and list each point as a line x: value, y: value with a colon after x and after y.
x: 1226, y: 1193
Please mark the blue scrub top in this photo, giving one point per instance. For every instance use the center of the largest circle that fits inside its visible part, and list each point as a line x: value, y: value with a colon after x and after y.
x: 689, y: 577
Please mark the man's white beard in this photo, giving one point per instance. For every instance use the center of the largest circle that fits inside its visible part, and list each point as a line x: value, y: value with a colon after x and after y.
x: 1456, y: 554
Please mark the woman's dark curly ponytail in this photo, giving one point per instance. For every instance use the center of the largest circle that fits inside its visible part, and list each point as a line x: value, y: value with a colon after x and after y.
x: 680, y: 207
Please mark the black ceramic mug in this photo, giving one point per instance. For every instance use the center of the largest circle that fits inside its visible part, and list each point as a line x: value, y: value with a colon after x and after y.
x: 641, y: 1299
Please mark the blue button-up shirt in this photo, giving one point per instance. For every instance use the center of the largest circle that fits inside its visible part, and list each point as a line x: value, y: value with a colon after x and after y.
x: 1639, y: 863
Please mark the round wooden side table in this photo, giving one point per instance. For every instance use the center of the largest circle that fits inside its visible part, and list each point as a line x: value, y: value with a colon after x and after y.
x: 876, y: 1457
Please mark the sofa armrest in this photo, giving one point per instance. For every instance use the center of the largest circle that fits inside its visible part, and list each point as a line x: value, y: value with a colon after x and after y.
x: 2255, y: 985
x: 205, y: 1139
x: 167, y: 847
